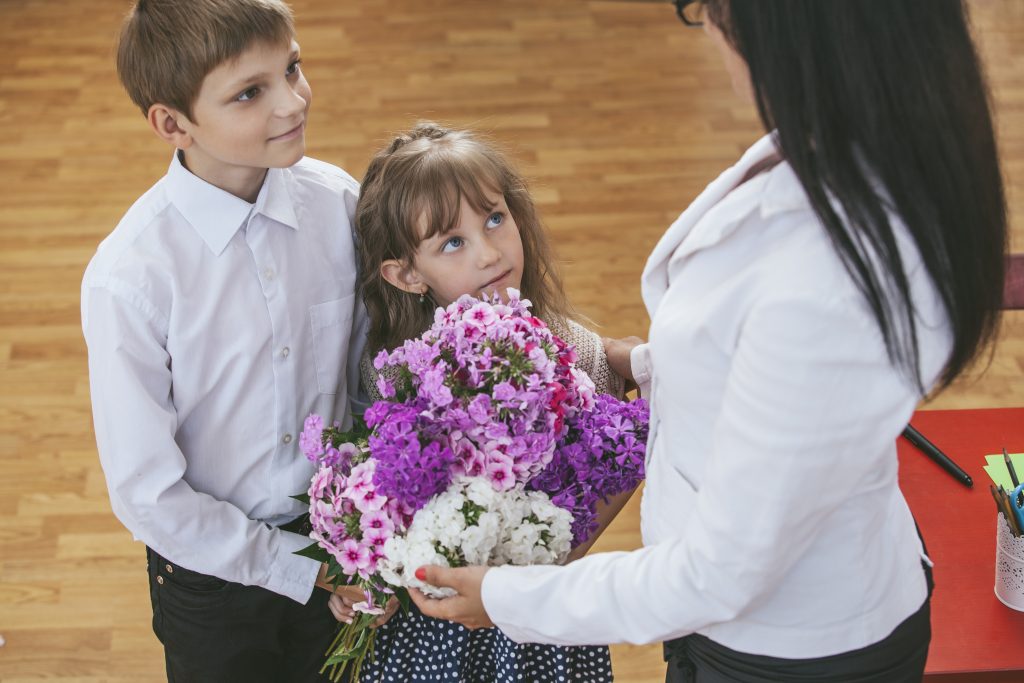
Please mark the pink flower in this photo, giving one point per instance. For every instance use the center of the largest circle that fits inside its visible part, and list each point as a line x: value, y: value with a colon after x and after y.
x: 469, y: 460
x: 311, y: 439
x: 499, y: 471
x: 381, y: 359
x: 353, y: 557
x: 376, y: 520
x: 368, y: 501
x: 376, y: 538
x: 504, y: 392
x: 360, y: 479
x: 480, y: 316
x: 322, y: 480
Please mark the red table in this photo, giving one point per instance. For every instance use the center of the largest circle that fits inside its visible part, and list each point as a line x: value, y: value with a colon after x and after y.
x: 975, y: 637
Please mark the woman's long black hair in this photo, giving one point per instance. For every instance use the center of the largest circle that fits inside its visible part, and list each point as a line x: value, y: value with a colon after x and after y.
x: 865, y: 93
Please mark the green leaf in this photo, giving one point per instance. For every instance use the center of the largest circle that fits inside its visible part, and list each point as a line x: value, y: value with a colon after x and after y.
x: 302, y: 498
x: 334, y: 570
x: 345, y: 656
x: 314, y: 552
x: 403, y: 599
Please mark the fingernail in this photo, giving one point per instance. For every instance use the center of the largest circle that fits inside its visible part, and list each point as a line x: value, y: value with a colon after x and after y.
x: 421, y: 573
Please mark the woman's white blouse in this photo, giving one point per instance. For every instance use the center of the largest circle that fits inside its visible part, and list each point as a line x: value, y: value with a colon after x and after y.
x: 771, y: 516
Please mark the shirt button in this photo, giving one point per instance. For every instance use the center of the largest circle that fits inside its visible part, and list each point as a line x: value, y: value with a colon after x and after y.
x: 268, y: 273
x: 169, y: 568
x: 287, y: 438
x: 160, y: 580
x: 285, y: 351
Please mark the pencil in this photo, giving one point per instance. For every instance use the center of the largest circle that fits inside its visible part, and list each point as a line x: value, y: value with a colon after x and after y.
x: 1007, y: 508
x: 1009, y: 468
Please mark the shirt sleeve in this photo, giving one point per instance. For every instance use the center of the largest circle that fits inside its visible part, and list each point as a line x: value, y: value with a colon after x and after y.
x: 640, y: 365
x: 135, y: 424
x: 359, y: 395
x: 359, y: 398
x: 810, y: 397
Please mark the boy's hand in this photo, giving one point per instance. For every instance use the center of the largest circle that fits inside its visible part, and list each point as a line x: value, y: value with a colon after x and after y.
x: 617, y: 351
x: 342, y: 601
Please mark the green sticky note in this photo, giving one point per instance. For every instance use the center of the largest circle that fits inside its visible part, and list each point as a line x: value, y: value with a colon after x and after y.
x: 997, y: 471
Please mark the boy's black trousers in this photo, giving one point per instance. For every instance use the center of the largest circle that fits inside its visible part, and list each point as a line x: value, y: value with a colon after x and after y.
x: 216, y: 631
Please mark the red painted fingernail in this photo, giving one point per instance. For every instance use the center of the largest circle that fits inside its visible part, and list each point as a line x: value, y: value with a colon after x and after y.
x: 421, y: 573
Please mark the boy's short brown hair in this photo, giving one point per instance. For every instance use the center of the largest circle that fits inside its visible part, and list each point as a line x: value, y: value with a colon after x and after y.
x: 167, y: 47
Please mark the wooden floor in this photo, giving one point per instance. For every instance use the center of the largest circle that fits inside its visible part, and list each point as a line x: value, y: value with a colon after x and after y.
x: 617, y: 113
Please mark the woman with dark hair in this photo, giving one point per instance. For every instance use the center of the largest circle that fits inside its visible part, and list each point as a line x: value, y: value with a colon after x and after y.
x: 847, y: 265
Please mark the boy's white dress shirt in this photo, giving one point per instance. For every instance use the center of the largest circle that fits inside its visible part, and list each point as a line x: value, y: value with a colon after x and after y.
x: 214, y: 328
x: 771, y: 516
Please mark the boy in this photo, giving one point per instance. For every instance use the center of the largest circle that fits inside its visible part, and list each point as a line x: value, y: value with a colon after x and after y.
x: 218, y: 314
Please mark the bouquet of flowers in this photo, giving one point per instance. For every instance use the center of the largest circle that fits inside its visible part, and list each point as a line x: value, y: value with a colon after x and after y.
x: 489, y: 448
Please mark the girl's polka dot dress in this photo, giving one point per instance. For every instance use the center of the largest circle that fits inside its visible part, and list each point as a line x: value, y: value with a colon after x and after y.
x: 413, y: 648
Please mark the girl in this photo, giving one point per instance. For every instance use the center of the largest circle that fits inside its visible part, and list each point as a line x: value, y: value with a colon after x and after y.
x: 849, y: 263
x: 442, y: 214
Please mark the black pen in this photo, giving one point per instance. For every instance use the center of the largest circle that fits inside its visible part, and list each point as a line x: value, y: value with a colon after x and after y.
x: 928, y: 448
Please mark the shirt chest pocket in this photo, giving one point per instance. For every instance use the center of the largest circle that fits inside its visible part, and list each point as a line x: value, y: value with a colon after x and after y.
x: 331, y: 323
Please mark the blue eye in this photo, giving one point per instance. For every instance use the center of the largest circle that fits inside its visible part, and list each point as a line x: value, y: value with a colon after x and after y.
x: 247, y: 95
x: 293, y: 68
x: 495, y: 219
x: 452, y: 244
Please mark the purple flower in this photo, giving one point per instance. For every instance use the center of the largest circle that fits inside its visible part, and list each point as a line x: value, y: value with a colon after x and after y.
x: 480, y: 409
x: 601, y: 455
x: 407, y: 470
x: 385, y: 387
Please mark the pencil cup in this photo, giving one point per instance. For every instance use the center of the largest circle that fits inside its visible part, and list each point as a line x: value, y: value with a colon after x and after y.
x: 1009, y: 566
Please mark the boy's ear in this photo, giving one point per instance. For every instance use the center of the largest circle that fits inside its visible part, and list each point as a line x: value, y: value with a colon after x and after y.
x: 403, y: 277
x: 170, y: 125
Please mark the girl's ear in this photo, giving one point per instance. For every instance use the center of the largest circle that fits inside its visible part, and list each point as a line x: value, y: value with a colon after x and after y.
x: 403, y: 276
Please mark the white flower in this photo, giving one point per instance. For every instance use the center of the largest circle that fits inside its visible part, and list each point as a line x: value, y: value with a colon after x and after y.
x: 513, y: 526
x: 366, y: 608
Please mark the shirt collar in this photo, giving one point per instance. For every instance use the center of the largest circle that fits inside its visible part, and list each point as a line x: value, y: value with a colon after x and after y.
x: 217, y: 215
x: 773, y: 192
x: 275, y: 201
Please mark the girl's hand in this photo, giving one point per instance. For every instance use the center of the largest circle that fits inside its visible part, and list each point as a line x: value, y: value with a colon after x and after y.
x: 389, y: 611
x: 466, y: 608
x: 617, y: 351
x: 342, y: 601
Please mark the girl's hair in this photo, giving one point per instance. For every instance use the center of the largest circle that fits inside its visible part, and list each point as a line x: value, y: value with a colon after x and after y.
x: 892, y: 93
x: 422, y: 178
